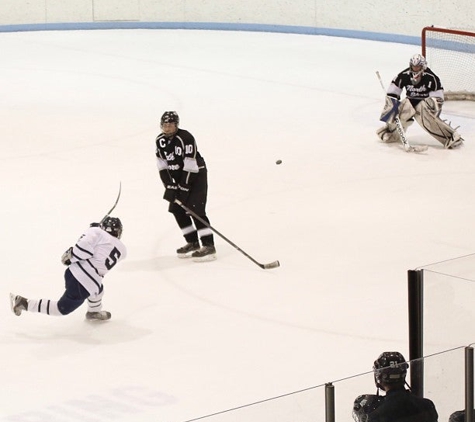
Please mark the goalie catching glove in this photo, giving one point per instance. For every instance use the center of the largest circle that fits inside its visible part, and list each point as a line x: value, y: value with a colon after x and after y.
x: 434, y: 105
x: 390, y: 110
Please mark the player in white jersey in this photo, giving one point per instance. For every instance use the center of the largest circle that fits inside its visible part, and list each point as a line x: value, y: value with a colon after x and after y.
x: 96, y: 252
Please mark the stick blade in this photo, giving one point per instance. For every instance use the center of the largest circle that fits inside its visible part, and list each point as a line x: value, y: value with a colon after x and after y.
x: 271, y: 265
x: 417, y: 148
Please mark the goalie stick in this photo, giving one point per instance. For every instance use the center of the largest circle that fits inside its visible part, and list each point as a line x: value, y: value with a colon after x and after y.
x: 405, y: 143
x: 115, y: 204
x: 268, y: 266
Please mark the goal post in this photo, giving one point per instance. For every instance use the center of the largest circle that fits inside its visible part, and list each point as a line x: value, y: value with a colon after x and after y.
x: 450, y: 53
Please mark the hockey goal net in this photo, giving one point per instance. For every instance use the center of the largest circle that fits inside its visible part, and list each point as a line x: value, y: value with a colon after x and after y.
x: 450, y: 53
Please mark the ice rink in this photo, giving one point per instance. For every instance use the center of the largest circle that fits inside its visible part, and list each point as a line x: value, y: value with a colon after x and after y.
x: 345, y: 215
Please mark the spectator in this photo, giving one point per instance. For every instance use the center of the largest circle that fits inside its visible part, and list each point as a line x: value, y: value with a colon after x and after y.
x: 398, y: 404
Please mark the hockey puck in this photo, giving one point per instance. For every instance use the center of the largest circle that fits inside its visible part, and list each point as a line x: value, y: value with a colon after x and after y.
x: 278, y: 162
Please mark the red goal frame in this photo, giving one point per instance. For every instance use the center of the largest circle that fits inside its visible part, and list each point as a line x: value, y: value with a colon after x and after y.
x: 458, y: 93
x: 444, y: 30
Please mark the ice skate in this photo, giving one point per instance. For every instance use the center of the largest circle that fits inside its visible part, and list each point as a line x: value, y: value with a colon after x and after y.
x: 18, y: 304
x: 98, y: 316
x: 186, y: 251
x: 205, y: 253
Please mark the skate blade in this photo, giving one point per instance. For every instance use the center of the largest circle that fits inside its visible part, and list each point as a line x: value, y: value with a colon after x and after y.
x: 206, y: 258
x: 185, y: 255
x: 103, y: 317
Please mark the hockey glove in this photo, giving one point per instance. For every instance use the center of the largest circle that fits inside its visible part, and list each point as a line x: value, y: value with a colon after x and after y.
x: 390, y: 110
x: 66, y: 258
x: 434, y: 105
x: 170, y: 193
x: 183, y: 193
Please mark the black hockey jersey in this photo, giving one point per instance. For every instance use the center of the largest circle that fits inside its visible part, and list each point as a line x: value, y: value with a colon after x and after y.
x: 401, y: 405
x: 428, y: 86
x: 178, y: 159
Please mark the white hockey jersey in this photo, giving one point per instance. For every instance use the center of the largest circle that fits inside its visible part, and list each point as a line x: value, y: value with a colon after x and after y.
x: 95, y: 253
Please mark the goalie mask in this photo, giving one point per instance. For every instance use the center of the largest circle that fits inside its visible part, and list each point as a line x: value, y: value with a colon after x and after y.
x: 113, y: 226
x: 417, y: 65
x: 390, y: 368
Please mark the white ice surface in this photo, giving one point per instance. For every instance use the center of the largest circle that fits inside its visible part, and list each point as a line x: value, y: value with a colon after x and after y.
x: 345, y: 215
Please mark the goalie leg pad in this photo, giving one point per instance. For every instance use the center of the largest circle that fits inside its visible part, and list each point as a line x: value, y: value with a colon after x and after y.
x: 406, y: 114
x: 427, y: 117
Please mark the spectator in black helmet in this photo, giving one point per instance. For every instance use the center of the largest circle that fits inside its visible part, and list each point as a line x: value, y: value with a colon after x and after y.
x: 398, y: 404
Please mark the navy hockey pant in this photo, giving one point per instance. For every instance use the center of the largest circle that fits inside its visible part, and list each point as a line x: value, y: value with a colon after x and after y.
x: 74, y: 295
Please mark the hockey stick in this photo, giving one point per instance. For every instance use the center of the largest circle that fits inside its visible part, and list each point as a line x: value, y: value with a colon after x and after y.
x: 268, y: 266
x: 115, y: 204
x: 405, y: 143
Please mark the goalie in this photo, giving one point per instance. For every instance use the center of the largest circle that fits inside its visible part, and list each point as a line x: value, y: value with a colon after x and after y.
x: 423, y: 102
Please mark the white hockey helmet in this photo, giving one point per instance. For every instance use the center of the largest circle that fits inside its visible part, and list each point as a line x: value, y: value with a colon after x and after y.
x: 417, y: 65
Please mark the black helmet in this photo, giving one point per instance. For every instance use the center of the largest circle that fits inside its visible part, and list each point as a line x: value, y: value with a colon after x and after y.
x: 170, y: 117
x: 364, y: 405
x: 113, y: 226
x: 390, y: 368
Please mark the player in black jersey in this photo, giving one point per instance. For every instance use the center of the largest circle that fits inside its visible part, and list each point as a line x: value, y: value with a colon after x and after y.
x: 423, y: 102
x: 184, y: 175
x: 398, y: 404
